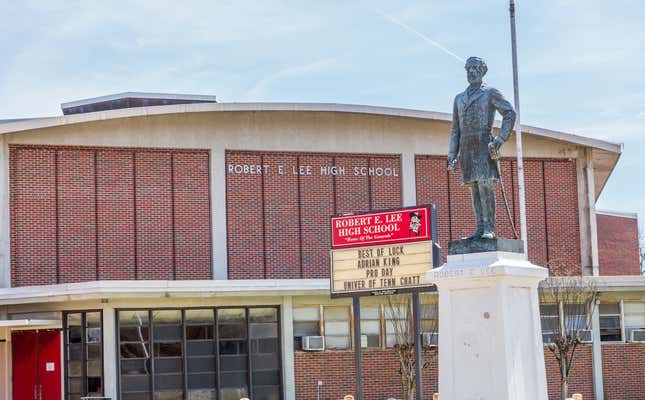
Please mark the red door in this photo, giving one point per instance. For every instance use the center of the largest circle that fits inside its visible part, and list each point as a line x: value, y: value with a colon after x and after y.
x: 36, y: 365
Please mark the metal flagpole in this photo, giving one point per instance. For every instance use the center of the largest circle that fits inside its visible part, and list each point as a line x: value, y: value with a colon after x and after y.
x: 518, y: 131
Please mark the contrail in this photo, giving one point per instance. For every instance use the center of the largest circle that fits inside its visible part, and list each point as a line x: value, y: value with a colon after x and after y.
x: 419, y: 34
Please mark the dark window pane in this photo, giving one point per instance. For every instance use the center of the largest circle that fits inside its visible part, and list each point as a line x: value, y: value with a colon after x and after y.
x: 201, y: 364
x: 168, y: 349
x: 266, y: 377
x: 134, y: 350
x: 266, y: 361
x: 265, y: 345
x: 233, y: 379
x: 202, y: 394
x: 609, y: 322
x: 305, y: 329
x: 135, y: 396
x: 94, y: 351
x: 373, y: 341
x: 75, y: 385
x: 199, y: 316
x: 74, y: 334
x: 135, y: 383
x: 167, y: 332
x: 233, y: 347
x: 201, y: 348
x: 133, y: 333
x: 197, y: 332
x: 232, y: 331
x: 263, y: 315
x: 94, y: 385
x: 233, y: 363
x: 266, y: 393
x: 93, y: 335
x: 259, y: 331
x: 234, y: 393
x: 74, y: 352
x: 134, y: 367
x: 165, y: 382
x: 231, y: 315
x: 173, y: 395
x: 201, y: 381
x: 163, y: 365
x: 75, y: 368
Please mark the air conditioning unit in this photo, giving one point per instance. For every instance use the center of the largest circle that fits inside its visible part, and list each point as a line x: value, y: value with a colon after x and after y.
x: 584, y: 335
x: 637, y: 335
x: 430, y: 339
x: 313, y: 343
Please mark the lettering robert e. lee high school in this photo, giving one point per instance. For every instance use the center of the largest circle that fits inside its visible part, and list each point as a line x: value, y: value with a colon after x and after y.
x: 257, y: 169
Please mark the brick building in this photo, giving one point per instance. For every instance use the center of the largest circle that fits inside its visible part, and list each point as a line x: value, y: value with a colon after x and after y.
x: 171, y: 247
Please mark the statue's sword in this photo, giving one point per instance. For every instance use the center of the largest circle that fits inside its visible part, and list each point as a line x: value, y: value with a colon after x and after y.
x: 494, y: 155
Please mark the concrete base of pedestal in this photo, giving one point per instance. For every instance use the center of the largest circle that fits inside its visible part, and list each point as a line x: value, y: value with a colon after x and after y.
x: 490, y: 342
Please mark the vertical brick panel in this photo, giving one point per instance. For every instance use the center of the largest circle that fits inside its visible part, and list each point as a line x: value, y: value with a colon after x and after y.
x: 432, y: 187
x: 33, y: 216
x: 535, y: 215
x: 561, y: 187
x: 580, y: 376
x: 618, y: 245
x: 623, y: 372
x: 154, y: 215
x: 386, y: 190
x: 282, y: 217
x: 316, y: 209
x: 244, y: 215
x: 115, y: 208
x: 192, y: 215
x: 352, y: 191
x: 76, y: 216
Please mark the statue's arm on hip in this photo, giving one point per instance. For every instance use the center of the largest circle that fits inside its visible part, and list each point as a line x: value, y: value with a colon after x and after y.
x: 455, y: 134
x: 508, y: 117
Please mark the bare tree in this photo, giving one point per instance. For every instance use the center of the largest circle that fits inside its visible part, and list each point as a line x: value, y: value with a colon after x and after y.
x: 400, y: 335
x: 567, y: 305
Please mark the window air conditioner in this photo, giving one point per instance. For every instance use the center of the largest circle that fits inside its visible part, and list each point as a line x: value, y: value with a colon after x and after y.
x: 584, y: 335
x: 637, y: 335
x: 313, y: 343
x: 430, y: 339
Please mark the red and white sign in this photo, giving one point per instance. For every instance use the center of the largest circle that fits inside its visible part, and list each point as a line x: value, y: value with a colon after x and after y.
x: 388, y: 227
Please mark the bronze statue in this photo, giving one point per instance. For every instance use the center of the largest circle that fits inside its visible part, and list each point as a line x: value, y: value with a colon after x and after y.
x: 472, y: 143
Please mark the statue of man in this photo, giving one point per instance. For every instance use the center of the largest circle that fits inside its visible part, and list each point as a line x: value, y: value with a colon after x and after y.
x: 470, y: 136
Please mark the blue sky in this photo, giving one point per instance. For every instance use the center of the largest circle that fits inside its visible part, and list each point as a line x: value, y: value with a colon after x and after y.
x: 581, y: 61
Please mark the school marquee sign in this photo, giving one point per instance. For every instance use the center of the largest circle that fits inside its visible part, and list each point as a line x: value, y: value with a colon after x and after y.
x: 382, y: 252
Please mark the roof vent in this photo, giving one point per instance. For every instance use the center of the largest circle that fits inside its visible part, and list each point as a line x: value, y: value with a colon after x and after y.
x: 131, y: 100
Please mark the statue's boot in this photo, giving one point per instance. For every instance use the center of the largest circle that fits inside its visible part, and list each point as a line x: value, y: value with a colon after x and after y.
x: 477, y: 210
x: 487, y: 199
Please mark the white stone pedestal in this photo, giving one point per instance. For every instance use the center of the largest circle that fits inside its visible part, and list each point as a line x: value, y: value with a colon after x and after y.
x: 490, y: 341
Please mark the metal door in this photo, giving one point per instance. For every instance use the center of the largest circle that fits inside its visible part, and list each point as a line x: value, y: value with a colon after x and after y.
x: 36, y: 365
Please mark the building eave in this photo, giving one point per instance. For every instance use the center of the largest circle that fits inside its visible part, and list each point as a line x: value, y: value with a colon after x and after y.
x: 166, y: 289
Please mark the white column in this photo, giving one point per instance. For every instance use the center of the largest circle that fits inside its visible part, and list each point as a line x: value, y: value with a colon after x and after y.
x: 288, y: 369
x: 218, y: 212
x: 593, y: 228
x: 598, y: 385
x: 5, y: 270
x: 408, y: 179
x: 110, y: 353
x: 489, y: 322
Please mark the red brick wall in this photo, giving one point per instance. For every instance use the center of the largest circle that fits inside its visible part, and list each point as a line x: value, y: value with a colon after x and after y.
x: 623, y: 371
x: 617, y: 245
x: 551, y: 206
x: 278, y: 220
x: 83, y: 214
x: 381, y: 378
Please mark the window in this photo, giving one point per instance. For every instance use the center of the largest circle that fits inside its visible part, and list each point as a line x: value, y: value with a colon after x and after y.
x: 83, y: 354
x: 306, y: 322
x: 575, y: 317
x: 634, y: 316
x: 397, y: 325
x: 371, y: 326
x: 549, y: 321
x: 610, y: 322
x: 199, y: 354
x: 337, y: 329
